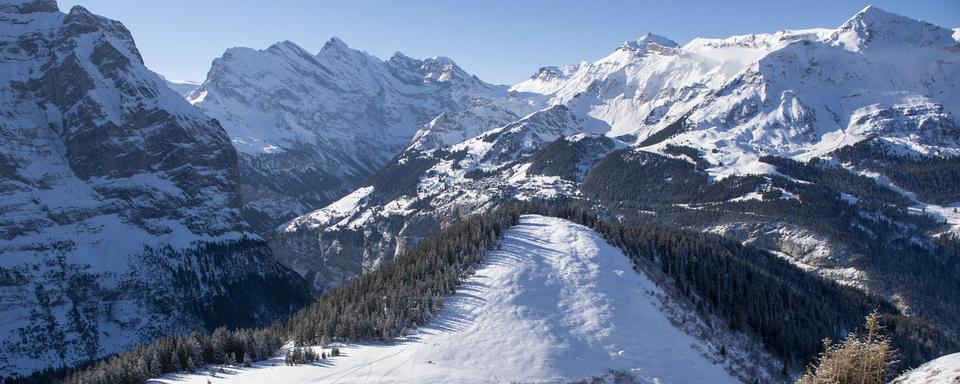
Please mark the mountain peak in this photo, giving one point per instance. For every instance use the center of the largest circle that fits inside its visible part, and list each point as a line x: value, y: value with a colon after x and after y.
x: 873, y: 27
x: 335, y: 43
x: 644, y: 41
x: 441, y: 69
x: 80, y: 13
x: 658, y: 40
x: 399, y: 56
x: 440, y: 60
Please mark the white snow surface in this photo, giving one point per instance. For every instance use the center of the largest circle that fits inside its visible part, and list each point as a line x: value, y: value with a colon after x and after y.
x: 943, y: 370
x: 554, y: 302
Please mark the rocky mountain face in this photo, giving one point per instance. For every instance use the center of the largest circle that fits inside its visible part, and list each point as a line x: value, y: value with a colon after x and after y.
x: 311, y: 127
x: 119, y: 202
x: 830, y: 147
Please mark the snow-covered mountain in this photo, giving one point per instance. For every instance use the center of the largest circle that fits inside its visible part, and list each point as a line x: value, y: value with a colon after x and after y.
x: 791, y: 93
x: 699, y: 120
x: 555, y: 302
x: 311, y: 127
x: 119, y: 202
x: 645, y: 85
x: 814, y: 96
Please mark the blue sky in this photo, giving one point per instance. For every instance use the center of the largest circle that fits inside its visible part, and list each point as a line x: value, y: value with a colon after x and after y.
x: 501, y: 41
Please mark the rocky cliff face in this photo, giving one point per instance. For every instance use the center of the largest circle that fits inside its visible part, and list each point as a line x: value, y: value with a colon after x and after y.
x: 119, y: 202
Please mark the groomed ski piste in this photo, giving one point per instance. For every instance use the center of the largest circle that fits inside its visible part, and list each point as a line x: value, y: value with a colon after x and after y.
x: 554, y: 303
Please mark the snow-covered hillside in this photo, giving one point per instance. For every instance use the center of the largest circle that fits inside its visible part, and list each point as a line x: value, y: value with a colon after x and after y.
x: 110, y: 184
x: 311, y: 127
x: 943, y: 370
x: 554, y: 302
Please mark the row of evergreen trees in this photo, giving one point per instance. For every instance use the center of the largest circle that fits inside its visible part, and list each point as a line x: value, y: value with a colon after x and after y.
x: 184, y: 353
x: 306, y: 355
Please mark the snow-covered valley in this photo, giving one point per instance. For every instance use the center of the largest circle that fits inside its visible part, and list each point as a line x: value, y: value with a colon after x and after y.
x: 554, y: 303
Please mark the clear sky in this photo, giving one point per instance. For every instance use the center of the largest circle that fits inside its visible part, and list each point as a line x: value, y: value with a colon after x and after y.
x: 501, y: 41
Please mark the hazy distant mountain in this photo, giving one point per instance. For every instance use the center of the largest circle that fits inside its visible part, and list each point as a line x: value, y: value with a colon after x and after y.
x: 310, y: 127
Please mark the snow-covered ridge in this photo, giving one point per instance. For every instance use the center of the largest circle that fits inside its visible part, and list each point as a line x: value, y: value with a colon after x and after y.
x: 390, y: 99
x: 645, y: 85
x: 554, y: 302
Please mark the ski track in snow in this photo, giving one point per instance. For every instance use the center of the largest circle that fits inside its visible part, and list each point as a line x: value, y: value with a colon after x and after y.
x: 554, y: 302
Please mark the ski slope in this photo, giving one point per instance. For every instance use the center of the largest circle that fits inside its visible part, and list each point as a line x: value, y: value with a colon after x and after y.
x: 554, y: 302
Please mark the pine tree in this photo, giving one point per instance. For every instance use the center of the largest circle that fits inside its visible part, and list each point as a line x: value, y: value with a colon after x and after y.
x: 859, y: 359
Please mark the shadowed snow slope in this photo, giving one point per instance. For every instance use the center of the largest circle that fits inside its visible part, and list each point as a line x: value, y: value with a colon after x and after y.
x: 556, y: 301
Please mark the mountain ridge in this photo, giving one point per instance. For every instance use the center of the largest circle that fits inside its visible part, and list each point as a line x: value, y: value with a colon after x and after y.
x: 301, y: 146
